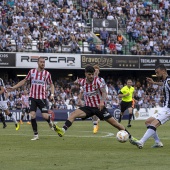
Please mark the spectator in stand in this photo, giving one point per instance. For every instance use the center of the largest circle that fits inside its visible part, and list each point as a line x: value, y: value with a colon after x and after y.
x: 92, y: 47
x: 104, y: 35
x: 157, y: 49
x: 74, y: 47
x: 120, y: 39
x: 134, y: 50
x: 119, y: 48
x: 112, y: 48
x: 47, y: 46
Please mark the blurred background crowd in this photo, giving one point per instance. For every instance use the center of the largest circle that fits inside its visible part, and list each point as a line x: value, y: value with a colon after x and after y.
x: 66, y: 94
x: 66, y: 26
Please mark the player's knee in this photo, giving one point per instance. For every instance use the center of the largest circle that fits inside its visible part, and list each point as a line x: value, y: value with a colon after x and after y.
x: 130, y: 110
x: 33, y: 115
x: 147, y: 122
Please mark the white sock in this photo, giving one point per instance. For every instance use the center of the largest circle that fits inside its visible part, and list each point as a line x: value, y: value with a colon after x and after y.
x: 156, y: 137
x: 13, y: 119
x: 147, y: 135
x: 95, y: 123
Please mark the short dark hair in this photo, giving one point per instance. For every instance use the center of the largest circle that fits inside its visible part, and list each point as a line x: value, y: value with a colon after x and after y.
x: 89, y: 69
x: 161, y: 67
x: 128, y: 79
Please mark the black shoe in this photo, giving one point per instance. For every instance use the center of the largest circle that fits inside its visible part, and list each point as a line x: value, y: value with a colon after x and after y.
x: 129, y: 125
x: 4, y: 126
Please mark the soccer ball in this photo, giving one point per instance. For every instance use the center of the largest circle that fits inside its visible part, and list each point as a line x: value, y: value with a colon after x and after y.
x: 122, y: 136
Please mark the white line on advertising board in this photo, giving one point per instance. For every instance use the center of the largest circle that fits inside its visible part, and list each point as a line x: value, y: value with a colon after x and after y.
x: 53, y: 60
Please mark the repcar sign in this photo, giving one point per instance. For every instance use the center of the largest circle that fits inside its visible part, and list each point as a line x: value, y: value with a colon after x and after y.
x: 53, y: 61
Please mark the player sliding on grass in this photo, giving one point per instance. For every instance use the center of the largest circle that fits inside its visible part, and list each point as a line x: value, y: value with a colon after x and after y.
x: 95, y: 97
x: 163, y: 114
x: 39, y: 79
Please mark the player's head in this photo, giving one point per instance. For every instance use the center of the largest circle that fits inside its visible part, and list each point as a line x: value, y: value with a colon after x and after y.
x: 129, y: 82
x: 41, y: 63
x: 161, y: 71
x: 89, y: 73
x: 97, y: 70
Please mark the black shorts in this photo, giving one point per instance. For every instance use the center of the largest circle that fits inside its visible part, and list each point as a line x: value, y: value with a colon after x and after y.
x: 125, y: 105
x: 25, y: 110
x: 40, y: 103
x: 90, y: 111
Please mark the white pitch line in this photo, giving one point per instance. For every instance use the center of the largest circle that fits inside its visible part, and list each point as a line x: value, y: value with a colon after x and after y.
x: 86, y: 136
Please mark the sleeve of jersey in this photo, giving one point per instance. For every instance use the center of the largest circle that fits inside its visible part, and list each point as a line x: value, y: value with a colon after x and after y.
x: 100, y: 83
x: 49, y: 80
x: 28, y: 76
x: 80, y: 81
x: 121, y: 91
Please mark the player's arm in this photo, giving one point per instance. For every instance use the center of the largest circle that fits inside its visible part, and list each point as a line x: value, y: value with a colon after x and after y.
x: 79, y: 101
x: 52, y: 91
x: 122, y: 95
x: 2, y: 90
x: 150, y: 80
x: 103, y: 99
x: 21, y: 83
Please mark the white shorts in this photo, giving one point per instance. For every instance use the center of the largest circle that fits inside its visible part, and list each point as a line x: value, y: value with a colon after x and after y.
x: 163, y: 115
x: 3, y: 105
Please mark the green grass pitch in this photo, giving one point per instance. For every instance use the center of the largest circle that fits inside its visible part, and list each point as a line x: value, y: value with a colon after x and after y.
x: 80, y: 149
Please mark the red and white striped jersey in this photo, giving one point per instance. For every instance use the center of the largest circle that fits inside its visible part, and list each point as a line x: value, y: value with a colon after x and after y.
x: 25, y: 99
x: 39, y: 82
x: 92, y: 92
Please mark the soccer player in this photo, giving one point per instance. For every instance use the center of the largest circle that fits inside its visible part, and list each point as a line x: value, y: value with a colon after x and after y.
x: 94, y: 96
x: 39, y: 79
x: 4, y: 106
x: 163, y: 114
x: 126, y: 93
x: 95, y: 119
x: 25, y: 107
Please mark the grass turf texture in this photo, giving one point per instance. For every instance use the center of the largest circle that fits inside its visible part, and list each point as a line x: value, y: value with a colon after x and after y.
x: 79, y: 149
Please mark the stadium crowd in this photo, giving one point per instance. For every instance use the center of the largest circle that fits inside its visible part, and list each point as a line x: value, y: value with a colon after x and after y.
x: 66, y: 94
x: 52, y: 24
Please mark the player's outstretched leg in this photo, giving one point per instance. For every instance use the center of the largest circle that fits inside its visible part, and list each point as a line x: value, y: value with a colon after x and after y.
x: 119, y: 126
x: 76, y: 114
x: 17, y: 126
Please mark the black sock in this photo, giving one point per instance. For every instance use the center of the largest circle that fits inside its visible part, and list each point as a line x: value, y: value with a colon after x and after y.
x: 34, y: 126
x: 120, y: 118
x: 10, y: 115
x: 22, y: 116
x: 129, y: 134
x: 130, y: 117
x: 2, y: 119
x: 28, y: 117
x: 48, y: 120
x: 67, y: 124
